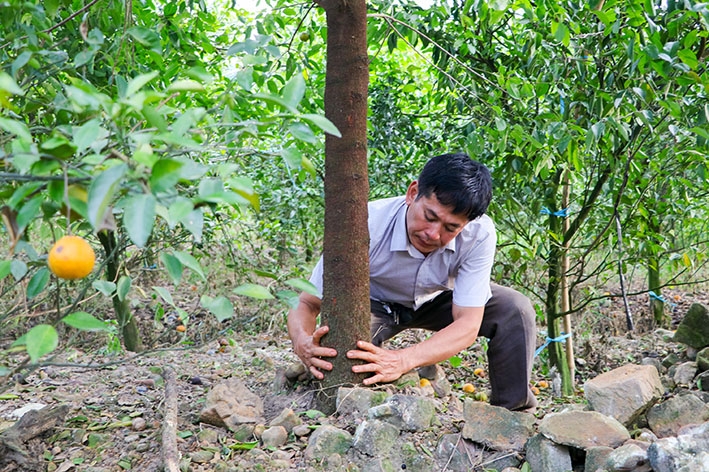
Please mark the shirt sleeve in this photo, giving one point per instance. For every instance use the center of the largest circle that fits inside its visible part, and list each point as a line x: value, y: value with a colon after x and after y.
x: 316, y: 277
x: 472, y: 282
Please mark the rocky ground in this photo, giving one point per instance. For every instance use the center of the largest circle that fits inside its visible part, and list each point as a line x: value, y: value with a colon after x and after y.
x: 115, y: 412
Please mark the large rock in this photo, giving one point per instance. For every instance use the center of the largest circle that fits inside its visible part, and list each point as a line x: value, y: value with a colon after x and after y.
x: 357, y: 401
x: 668, y: 417
x: 496, y: 427
x: 406, y: 412
x: 544, y: 455
x: 624, y: 393
x: 693, y: 330
x: 231, y: 404
x: 376, y: 438
x: 326, y: 441
x: 583, y: 429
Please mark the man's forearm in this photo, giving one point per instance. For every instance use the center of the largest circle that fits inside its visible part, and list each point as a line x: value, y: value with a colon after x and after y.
x: 445, y: 343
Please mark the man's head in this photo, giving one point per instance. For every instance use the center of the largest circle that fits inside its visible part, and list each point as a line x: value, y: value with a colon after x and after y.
x: 458, y: 182
x: 451, y: 191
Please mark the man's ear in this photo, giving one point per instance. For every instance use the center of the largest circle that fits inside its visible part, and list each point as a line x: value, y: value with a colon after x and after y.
x: 412, y: 192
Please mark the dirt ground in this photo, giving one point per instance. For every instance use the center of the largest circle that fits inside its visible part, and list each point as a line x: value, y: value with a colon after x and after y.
x: 117, y: 400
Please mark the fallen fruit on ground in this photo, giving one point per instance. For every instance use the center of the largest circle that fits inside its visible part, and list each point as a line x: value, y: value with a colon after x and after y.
x: 468, y: 388
x: 181, y: 328
x: 480, y: 396
x: 479, y: 372
x: 535, y: 391
x: 424, y: 382
x: 71, y: 258
x: 543, y: 384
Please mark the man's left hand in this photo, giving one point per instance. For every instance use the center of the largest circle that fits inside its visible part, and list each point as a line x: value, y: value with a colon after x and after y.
x: 386, y: 365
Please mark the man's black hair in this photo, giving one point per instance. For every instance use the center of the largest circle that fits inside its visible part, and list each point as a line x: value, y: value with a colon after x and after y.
x: 458, y: 182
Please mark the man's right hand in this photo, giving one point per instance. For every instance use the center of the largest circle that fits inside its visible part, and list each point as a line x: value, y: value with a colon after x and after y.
x: 311, y: 353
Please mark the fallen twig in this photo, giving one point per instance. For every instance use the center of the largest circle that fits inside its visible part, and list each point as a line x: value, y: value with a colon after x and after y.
x: 170, y: 453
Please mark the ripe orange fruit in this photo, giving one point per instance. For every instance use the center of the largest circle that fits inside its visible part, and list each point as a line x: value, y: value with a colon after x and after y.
x: 535, y: 391
x: 479, y: 372
x: 181, y: 328
x: 543, y: 384
x: 71, y: 258
x: 468, y: 388
x: 424, y: 382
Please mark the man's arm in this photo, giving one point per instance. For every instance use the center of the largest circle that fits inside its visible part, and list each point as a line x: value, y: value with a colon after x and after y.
x: 389, y: 365
x: 302, y: 322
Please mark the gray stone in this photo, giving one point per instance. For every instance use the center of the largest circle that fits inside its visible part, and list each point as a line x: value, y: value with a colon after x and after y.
x: 201, y: 456
x: 664, y: 334
x: 703, y: 360
x: 688, y: 452
x: 414, y: 461
x: 406, y: 412
x: 275, y: 436
x: 669, y: 416
x: 357, y: 401
x: 457, y: 454
x: 583, y: 429
x: 295, y: 371
x: 693, y: 330
x: 684, y: 373
x: 496, y: 427
x: 597, y: 458
x: 375, y: 438
x: 653, y: 361
x: 501, y: 460
x: 327, y: 440
x: 670, y: 360
x: 230, y: 404
x: 624, y: 393
x: 301, y: 430
x: 630, y: 457
x: 288, y: 419
x: 544, y: 455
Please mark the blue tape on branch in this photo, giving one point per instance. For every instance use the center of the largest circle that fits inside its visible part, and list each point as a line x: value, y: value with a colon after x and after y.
x: 658, y: 297
x: 549, y: 340
x: 560, y: 213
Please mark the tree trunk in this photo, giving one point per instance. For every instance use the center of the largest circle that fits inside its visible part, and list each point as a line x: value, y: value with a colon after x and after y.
x: 126, y: 322
x: 345, y: 307
x: 557, y: 356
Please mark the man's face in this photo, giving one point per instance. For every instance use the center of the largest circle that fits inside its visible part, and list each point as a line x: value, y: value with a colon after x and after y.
x: 429, y: 224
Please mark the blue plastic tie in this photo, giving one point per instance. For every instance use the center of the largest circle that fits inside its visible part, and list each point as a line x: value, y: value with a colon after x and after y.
x: 549, y: 340
x: 658, y: 297
x: 560, y: 213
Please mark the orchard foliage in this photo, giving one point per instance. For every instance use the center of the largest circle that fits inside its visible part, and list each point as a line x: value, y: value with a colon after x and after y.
x: 185, y: 128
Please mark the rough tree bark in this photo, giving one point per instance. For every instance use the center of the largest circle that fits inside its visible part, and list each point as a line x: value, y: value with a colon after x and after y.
x: 345, y: 307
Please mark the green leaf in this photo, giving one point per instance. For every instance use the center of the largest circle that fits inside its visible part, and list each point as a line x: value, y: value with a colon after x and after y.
x: 18, y: 269
x: 290, y: 297
x: 86, y: 322
x: 254, y: 291
x: 8, y: 84
x: 5, y: 268
x: 41, y: 340
x: 165, y: 295
x: 165, y: 175
x: 137, y: 83
x: 86, y: 135
x: 104, y: 286
x: 139, y: 217
x: 304, y: 286
x: 323, y: 123
x: 455, y: 361
x: 101, y: 192
x: 146, y: 37
x: 124, y: 284
x: 185, y: 86
x: 244, y: 446
x: 302, y: 132
x: 173, y: 265
x: 16, y: 127
x: 38, y: 282
x: 294, y: 91
x: 191, y: 263
x: 221, y: 307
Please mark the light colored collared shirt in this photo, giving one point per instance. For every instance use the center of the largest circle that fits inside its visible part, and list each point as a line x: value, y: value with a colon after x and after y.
x: 399, y: 273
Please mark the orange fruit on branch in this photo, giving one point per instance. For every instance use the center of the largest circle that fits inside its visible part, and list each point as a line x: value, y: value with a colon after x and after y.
x: 71, y: 258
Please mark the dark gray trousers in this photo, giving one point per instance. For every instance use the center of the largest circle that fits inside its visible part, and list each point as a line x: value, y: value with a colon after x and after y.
x: 508, y: 323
